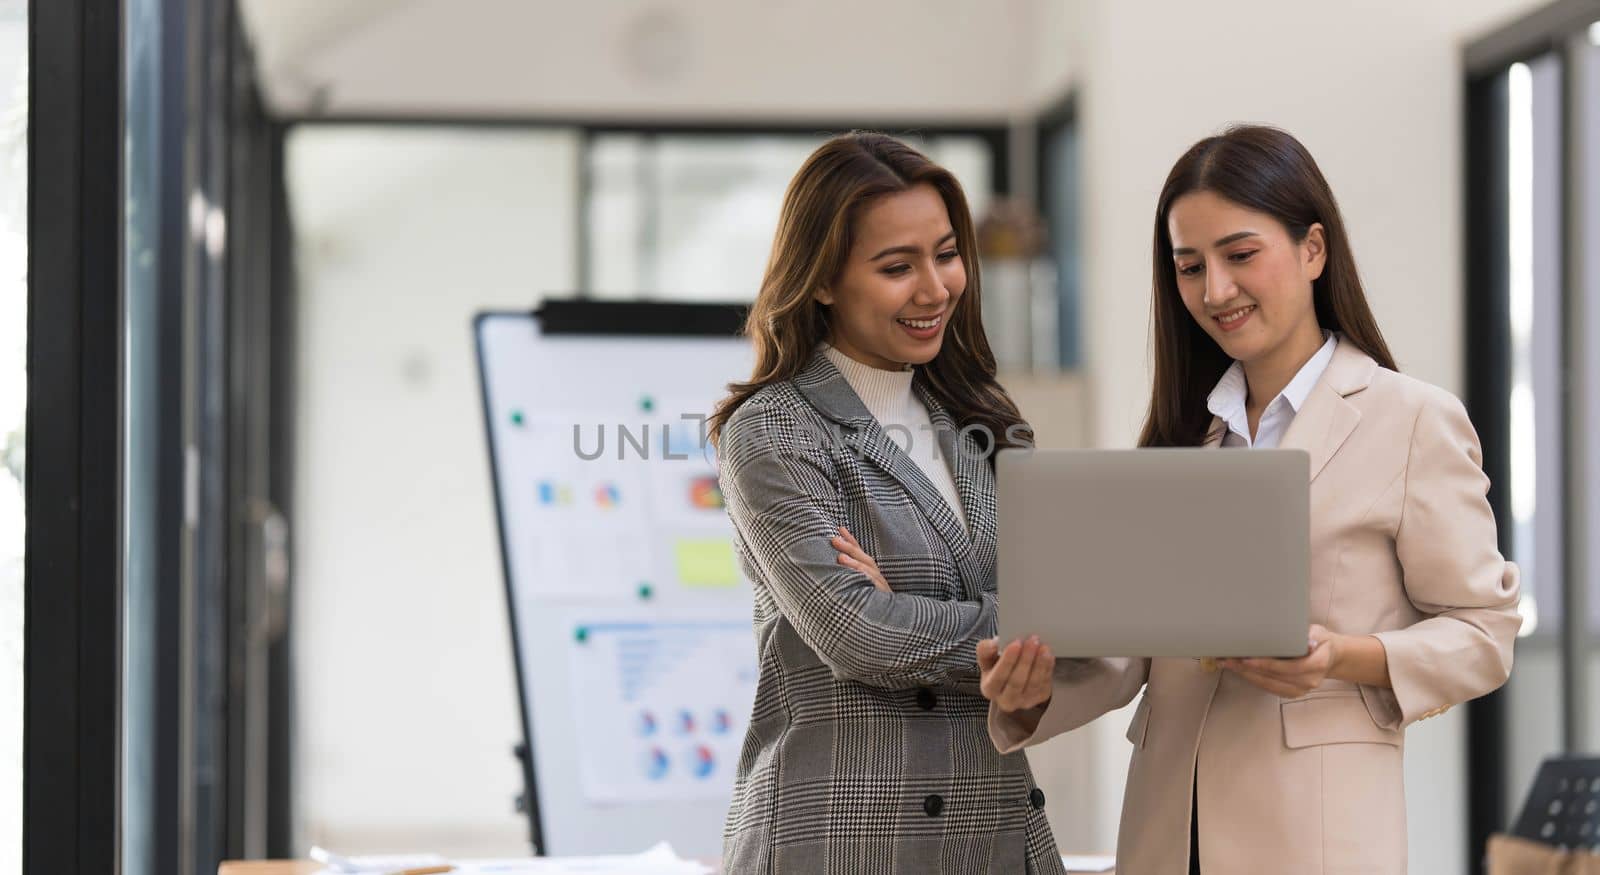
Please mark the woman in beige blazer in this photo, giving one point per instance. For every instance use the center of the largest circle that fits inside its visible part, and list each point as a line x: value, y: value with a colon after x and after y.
x: 1264, y: 338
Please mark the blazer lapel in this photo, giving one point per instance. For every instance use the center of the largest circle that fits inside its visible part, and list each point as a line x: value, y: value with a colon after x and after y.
x: 830, y: 393
x: 968, y: 463
x: 879, y: 449
x: 1327, y: 418
x: 969, y: 468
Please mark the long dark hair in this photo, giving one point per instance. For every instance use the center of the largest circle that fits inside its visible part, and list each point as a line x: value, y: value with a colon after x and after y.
x: 1266, y: 170
x: 809, y: 251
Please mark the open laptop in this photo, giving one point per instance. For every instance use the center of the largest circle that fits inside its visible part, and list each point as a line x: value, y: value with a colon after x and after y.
x: 1157, y: 552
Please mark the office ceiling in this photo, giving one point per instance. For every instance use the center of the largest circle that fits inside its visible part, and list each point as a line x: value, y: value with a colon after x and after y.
x: 637, y: 60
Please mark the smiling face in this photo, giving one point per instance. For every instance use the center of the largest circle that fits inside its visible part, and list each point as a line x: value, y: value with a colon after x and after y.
x: 1244, y: 279
x: 892, y: 302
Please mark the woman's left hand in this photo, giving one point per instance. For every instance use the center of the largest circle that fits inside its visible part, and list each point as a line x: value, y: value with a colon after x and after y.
x: 1290, y: 678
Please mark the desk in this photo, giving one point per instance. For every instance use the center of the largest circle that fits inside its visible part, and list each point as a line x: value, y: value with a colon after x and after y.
x: 269, y: 867
x: 287, y: 867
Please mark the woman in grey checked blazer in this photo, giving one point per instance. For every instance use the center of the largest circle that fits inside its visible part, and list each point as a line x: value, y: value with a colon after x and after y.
x: 868, y: 749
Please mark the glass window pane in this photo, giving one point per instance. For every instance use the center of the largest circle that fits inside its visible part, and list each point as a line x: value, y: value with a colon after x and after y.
x: 1536, y: 334
x: 691, y: 217
x: 615, y: 205
x: 1061, y: 197
x: 13, y: 386
x: 1534, y: 258
x: 145, y: 300
x: 972, y: 163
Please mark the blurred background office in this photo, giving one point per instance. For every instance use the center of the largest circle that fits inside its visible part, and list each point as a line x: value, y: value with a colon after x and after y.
x: 242, y: 241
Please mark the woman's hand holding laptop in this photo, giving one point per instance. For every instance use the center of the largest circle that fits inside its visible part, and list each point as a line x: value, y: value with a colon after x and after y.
x: 1290, y: 678
x: 1359, y: 659
x: 1016, y: 678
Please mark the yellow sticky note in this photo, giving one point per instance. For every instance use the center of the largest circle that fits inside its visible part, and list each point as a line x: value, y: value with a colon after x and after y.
x: 705, y: 562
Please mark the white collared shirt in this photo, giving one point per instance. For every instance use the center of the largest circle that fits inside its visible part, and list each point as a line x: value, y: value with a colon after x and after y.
x: 1227, y: 401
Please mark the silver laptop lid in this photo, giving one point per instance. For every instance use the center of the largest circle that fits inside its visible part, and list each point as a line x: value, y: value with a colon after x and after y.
x: 1157, y: 552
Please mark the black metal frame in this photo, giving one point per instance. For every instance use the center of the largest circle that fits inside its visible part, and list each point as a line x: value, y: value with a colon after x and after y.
x: 169, y: 637
x: 257, y: 364
x: 1575, y: 635
x: 1542, y: 31
x: 208, y: 581
x: 996, y: 135
x: 280, y: 444
x: 1487, y: 279
x: 1488, y: 340
x: 77, y: 545
x: 231, y: 616
x: 72, y: 565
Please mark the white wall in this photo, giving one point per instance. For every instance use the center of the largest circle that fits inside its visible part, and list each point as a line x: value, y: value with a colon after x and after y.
x: 1056, y: 48
x: 766, y: 59
x: 1373, y: 88
x: 406, y: 699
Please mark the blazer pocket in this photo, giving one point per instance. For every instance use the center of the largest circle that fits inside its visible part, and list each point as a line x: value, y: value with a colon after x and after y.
x: 1140, y: 723
x: 1332, y: 718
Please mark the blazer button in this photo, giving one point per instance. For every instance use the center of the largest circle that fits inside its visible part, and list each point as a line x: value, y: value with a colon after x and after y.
x: 1036, y: 799
x: 926, y: 699
x: 933, y: 804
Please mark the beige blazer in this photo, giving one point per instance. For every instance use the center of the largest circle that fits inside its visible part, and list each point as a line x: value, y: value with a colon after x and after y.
x: 1402, y: 546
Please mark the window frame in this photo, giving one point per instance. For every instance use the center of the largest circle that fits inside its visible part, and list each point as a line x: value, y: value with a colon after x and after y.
x: 1554, y: 29
x: 997, y: 137
x: 72, y: 564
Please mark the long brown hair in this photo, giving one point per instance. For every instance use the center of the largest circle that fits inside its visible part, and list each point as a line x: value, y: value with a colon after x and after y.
x: 815, y: 234
x: 1266, y: 170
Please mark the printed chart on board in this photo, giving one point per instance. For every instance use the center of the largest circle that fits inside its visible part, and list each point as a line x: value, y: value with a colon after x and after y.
x: 612, y: 515
x: 668, y: 704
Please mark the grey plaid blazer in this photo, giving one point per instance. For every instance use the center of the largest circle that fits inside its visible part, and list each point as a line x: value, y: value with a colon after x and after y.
x: 868, y: 749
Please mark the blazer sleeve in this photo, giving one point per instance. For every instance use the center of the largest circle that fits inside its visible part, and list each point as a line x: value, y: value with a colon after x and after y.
x: 786, y: 507
x: 1452, y: 571
x: 1081, y: 691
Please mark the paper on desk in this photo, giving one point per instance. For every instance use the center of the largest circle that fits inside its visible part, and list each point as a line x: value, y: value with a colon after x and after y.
x: 379, y: 864
x: 1088, y: 864
x: 659, y: 860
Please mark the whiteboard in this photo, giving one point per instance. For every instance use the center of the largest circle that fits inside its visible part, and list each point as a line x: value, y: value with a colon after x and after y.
x: 630, y: 620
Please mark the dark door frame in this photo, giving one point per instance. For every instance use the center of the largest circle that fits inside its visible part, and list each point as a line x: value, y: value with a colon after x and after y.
x: 72, y: 564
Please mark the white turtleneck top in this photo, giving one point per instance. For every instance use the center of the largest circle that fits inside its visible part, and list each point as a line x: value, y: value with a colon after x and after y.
x: 888, y: 397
